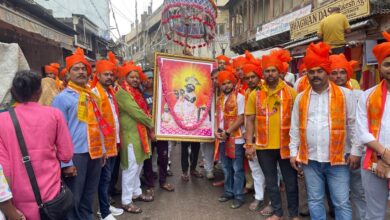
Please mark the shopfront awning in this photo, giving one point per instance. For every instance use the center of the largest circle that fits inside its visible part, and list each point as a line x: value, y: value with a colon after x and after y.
x: 313, y: 38
x: 29, y: 24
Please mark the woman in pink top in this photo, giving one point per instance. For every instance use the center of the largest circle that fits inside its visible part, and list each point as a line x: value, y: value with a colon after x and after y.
x: 47, y: 140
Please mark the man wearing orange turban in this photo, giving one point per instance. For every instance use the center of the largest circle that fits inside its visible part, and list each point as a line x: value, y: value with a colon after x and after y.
x: 230, y: 118
x: 52, y: 71
x: 136, y: 132
x: 252, y: 77
x: 81, y: 108
x: 342, y: 70
x: 322, y: 121
x: 268, y: 112
x: 102, y: 86
x: 302, y: 82
x: 373, y: 131
x: 222, y: 61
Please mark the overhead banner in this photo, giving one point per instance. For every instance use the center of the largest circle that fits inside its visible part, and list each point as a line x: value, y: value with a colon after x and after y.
x: 281, y: 24
x: 310, y: 23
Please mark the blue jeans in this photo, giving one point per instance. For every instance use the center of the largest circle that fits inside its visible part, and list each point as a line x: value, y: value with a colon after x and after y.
x: 104, y: 185
x: 84, y: 186
x: 337, y: 177
x: 233, y: 170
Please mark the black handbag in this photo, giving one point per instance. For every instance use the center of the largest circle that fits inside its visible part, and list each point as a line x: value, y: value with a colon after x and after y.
x: 57, y: 208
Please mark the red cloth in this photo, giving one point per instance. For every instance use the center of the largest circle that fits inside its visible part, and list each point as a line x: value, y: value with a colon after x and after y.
x: 340, y: 62
x: 276, y: 59
x: 77, y: 57
x: 226, y: 75
x: 381, y: 51
x: 52, y: 68
x: 317, y: 55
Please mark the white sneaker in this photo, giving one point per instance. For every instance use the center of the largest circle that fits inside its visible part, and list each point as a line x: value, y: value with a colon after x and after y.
x: 210, y: 175
x: 116, y: 211
x: 109, y: 217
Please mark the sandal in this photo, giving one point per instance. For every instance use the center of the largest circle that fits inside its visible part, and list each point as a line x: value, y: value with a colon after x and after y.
x: 131, y: 208
x: 168, y: 187
x: 185, y: 177
x: 144, y: 198
x: 196, y: 174
x: 267, y: 211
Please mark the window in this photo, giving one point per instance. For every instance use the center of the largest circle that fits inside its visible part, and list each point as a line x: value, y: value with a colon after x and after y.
x: 221, y: 29
x: 287, y: 5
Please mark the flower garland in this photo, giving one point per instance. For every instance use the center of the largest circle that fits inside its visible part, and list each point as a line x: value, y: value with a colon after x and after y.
x: 178, y: 120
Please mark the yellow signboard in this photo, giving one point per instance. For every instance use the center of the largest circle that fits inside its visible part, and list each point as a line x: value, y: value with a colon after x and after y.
x: 310, y: 23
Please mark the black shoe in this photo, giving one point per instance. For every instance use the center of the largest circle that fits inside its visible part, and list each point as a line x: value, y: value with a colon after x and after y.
x: 304, y: 214
x: 224, y: 198
x: 236, y: 204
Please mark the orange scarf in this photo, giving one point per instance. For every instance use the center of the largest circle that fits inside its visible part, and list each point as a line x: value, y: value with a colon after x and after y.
x: 285, y: 103
x: 110, y: 141
x: 142, y: 130
x: 59, y: 84
x: 303, y: 84
x: 337, y: 125
x: 230, y: 115
x: 375, y: 107
x: 88, y: 112
x: 349, y: 85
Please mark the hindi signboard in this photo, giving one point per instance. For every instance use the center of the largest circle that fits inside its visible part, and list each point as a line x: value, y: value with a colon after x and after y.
x: 281, y: 24
x: 309, y: 24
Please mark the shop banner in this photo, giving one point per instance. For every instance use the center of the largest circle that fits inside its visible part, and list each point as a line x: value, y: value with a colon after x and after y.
x: 309, y: 24
x: 281, y: 24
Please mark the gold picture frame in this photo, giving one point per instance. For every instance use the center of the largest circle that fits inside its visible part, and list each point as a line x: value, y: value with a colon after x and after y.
x: 176, y: 116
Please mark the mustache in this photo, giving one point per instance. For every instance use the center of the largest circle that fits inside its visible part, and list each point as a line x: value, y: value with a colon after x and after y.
x: 315, y: 78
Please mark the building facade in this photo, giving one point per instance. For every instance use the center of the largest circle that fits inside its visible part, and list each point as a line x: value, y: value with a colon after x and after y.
x: 260, y: 25
x: 146, y: 38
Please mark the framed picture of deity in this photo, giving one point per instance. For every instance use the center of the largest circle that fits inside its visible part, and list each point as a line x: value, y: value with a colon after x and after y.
x: 183, y: 105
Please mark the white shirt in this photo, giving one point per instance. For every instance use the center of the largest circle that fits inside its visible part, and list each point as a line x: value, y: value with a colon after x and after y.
x: 296, y: 84
x: 317, y: 131
x: 363, y: 134
x: 290, y: 78
x: 5, y: 192
x: 240, y: 111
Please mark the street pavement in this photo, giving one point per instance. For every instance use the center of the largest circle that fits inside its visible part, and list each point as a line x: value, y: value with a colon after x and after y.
x: 194, y: 200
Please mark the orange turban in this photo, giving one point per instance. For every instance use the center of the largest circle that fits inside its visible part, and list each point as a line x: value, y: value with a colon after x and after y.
x: 285, y: 67
x: 276, y: 59
x: 340, y: 62
x: 381, y: 51
x: 317, y: 55
x: 239, y: 62
x: 128, y: 67
x: 63, y: 72
x: 77, y: 57
x: 225, y: 58
x: 249, y: 67
x: 226, y: 75
x: 230, y: 69
x: 302, y: 68
x: 52, y: 68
